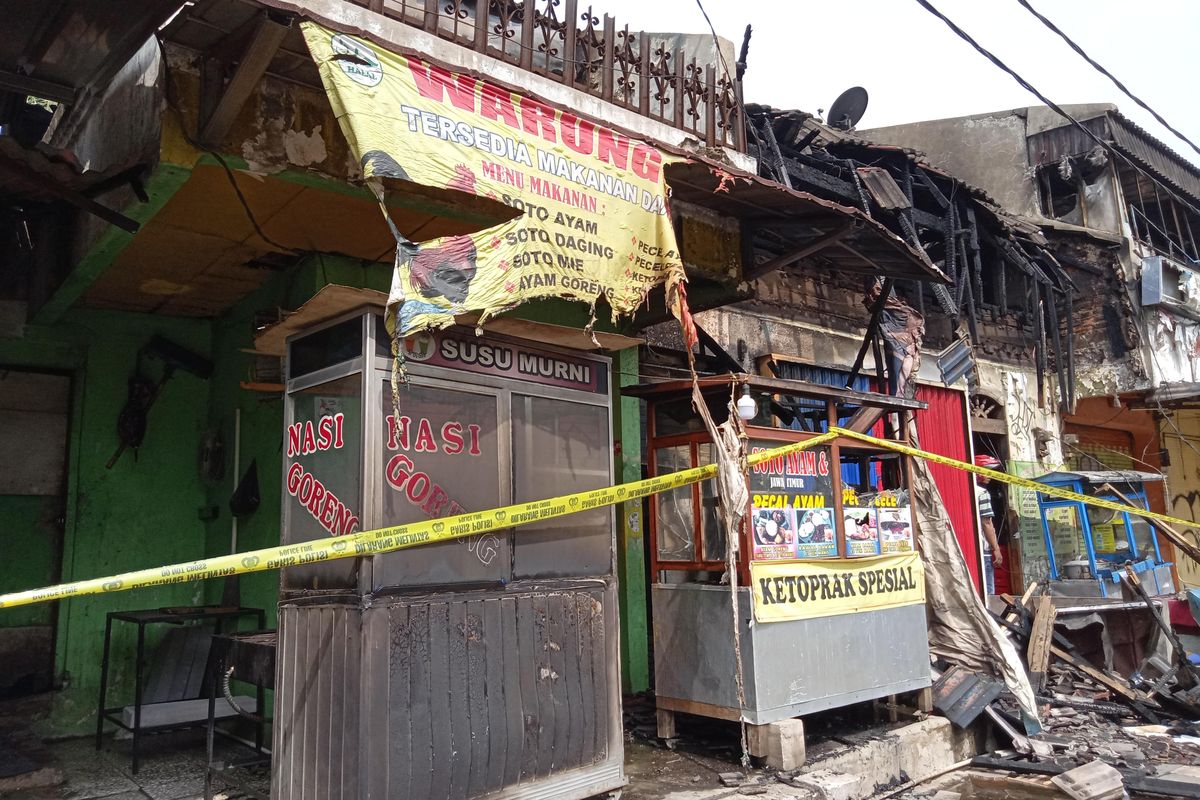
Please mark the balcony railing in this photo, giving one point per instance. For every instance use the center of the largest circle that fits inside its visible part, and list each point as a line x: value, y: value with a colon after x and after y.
x: 649, y: 76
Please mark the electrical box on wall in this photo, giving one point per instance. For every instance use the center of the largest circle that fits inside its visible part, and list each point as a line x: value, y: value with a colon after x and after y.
x: 1170, y: 285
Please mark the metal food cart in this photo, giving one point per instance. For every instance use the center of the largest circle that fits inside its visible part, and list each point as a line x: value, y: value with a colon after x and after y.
x: 1088, y: 547
x: 477, y: 666
x: 840, y: 506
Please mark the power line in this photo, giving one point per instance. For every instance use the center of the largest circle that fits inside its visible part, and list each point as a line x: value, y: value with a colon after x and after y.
x: 990, y: 56
x: 1096, y: 65
x: 1058, y: 109
x: 716, y: 43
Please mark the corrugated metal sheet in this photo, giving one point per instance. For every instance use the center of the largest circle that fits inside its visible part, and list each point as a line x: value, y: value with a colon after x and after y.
x: 827, y: 376
x: 942, y: 430
x: 74, y: 45
x: 883, y: 188
x: 316, y: 733
x: 867, y: 247
x: 1128, y: 137
x: 462, y: 695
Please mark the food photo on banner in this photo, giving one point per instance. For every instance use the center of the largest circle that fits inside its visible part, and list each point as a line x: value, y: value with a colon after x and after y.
x: 862, y: 533
x: 774, y: 532
x: 816, y: 535
x: 895, y: 530
x: 589, y: 203
x: 791, y: 505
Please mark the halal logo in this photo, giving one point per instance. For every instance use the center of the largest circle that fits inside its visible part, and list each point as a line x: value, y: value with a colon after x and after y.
x: 419, y: 347
x: 358, y: 61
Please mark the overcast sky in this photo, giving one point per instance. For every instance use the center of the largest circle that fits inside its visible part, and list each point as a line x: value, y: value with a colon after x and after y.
x: 805, y: 52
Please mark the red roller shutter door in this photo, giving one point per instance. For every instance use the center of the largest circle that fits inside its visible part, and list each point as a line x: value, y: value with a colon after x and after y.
x: 942, y: 430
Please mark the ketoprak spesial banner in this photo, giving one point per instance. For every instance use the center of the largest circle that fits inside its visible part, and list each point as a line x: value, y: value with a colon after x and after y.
x: 593, y: 219
x: 807, y: 589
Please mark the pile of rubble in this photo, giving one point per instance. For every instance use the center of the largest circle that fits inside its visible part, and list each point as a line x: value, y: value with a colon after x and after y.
x: 1140, y: 727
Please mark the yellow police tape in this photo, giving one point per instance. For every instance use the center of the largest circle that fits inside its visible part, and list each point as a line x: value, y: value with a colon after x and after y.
x: 399, y: 537
x: 1013, y: 480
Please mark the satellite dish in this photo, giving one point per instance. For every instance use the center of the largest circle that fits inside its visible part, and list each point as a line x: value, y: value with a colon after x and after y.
x: 848, y: 109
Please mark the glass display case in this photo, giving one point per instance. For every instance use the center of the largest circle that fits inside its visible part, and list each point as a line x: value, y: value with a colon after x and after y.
x: 1089, y: 546
x: 834, y: 515
x: 465, y: 630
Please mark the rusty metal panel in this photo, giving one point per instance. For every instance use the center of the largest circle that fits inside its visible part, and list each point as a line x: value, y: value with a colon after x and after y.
x: 883, y: 188
x: 507, y: 693
x: 493, y: 691
x: 316, y: 736
x: 1047, y: 147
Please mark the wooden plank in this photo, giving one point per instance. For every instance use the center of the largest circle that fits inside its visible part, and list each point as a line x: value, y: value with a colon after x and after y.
x: 268, y: 36
x: 1018, y: 607
x: 1040, y: 641
x: 752, y: 272
x: 782, y: 386
x: 697, y: 708
x: 1127, y: 692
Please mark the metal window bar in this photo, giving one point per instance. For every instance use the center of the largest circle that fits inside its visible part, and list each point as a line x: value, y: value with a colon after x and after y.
x: 554, y: 39
x: 1137, y: 214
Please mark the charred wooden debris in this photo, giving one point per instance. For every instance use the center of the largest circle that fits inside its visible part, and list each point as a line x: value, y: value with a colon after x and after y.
x: 1140, y: 723
x: 1006, y: 281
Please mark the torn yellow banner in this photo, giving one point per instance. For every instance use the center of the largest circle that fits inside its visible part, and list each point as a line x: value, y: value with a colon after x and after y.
x: 806, y: 589
x: 593, y: 202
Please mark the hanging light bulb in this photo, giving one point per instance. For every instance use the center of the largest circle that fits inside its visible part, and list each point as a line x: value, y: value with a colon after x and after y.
x: 747, y: 409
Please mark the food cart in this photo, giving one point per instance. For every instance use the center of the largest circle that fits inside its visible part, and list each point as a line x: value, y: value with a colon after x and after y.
x: 478, y: 666
x: 1088, y: 547
x: 830, y: 593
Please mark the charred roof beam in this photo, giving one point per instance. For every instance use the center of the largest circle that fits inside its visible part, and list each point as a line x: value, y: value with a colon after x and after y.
x: 260, y: 50
x: 23, y: 173
x: 26, y: 84
x: 753, y: 272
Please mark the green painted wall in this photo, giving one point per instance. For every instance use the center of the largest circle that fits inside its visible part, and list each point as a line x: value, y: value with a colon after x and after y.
x: 141, y: 513
x: 262, y: 414
x: 152, y: 510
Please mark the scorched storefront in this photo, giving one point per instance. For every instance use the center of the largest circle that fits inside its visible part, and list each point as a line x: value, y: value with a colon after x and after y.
x: 479, y: 665
x: 830, y: 598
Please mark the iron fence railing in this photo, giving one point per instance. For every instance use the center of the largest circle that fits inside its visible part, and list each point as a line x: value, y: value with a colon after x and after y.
x: 648, y: 75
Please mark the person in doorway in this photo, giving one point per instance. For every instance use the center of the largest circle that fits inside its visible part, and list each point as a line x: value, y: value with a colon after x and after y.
x: 992, y: 555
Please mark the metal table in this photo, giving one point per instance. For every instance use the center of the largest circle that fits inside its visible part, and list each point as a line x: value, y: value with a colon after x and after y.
x: 156, y: 616
x: 248, y: 657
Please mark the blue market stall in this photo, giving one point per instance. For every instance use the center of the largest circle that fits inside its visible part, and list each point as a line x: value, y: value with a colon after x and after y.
x: 1088, y: 546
